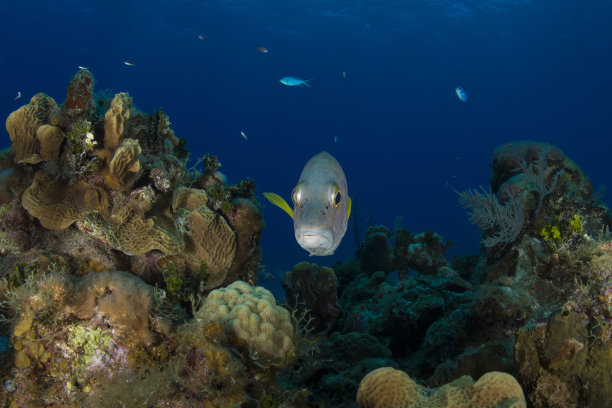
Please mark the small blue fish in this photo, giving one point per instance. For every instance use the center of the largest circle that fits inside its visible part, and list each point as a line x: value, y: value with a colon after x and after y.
x: 336, y: 138
x: 293, y: 81
x: 461, y: 94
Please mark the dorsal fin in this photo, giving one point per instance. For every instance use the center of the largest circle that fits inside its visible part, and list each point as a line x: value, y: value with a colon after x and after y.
x: 279, y: 202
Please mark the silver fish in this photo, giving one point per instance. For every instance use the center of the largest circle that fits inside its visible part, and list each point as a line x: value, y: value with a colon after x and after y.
x: 321, y: 205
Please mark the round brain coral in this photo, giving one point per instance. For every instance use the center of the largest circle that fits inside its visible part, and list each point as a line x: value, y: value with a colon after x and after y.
x: 251, y: 314
x: 387, y: 387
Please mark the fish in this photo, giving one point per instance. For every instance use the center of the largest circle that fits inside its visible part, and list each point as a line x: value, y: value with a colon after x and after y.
x: 243, y: 135
x: 262, y: 49
x: 336, y: 137
x: 202, y: 37
x: 129, y: 63
x: 461, y: 94
x: 18, y: 95
x: 83, y: 67
x: 343, y: 74
x: 293, y: 81
x: 321, y: 205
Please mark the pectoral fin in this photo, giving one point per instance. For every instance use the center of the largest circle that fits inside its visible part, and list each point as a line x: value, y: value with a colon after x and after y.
x: 279, y: 202
x: 348, y: 209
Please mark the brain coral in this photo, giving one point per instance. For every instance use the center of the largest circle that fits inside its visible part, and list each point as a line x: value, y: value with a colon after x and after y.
x: 57, y: 205
x: 22, y: 126
x: 250, y: 313
x: 387, y: 387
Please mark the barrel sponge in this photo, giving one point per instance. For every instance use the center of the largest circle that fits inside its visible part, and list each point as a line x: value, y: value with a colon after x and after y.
x: 57, y: 205
x: 116, y: 120
x: 188, y: 198
x: 210, y: 246
x: 251, y: 314
x: 23, y: 123
x: 390, y: 388
x: 119, y: 163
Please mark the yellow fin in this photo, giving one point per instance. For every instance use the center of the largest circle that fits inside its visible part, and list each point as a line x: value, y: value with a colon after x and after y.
x: 348, y: 209
x: 279, y: 202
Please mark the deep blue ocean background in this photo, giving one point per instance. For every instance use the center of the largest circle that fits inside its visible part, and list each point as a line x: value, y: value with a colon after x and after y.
x: 538, y: 70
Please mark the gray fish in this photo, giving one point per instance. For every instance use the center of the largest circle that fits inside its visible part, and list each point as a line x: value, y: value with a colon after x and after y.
x: 321, y: 205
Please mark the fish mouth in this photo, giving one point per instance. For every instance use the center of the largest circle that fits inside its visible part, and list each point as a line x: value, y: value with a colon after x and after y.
x: 314, y: 241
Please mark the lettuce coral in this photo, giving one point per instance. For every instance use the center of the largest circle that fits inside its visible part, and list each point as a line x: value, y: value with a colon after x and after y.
x: 58, y: 205
x: 23, y: 125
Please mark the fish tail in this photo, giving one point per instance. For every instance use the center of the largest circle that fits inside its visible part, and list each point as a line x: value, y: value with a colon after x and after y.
x: 306, y: 82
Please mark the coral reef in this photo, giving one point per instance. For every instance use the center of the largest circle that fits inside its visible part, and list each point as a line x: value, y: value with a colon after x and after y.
x: 390, y: 388
x: 112, y: 181
x: 564, y: 363
x: 107, y: 238
x: 71, y: 333
x: 129, y: 279
x: 446, y: 319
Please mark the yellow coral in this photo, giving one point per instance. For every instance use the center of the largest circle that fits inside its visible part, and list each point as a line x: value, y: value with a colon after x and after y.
x: 58, y: 205
x: 247, y: 222
x: 120, y: 163
x: 122, y: 299
x: 22, y: 126
x: 188, y: 198
x: 115, y: 120
x: 50, y: 138
x: 387, y: 387
x: 251, y: 314
x: 138, y: 235
x: 210, y: 247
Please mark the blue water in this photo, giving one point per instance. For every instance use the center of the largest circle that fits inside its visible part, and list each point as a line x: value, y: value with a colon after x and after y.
x: 538, y: 70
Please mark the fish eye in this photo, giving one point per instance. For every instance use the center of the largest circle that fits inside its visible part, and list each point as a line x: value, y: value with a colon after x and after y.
x: 296, y: 196
x: 335, y: 197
